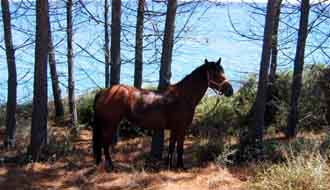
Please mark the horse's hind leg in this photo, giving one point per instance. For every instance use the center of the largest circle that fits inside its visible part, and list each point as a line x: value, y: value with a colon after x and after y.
x: 171, y: 149
x: 107, y: 141
x: 108, y: 161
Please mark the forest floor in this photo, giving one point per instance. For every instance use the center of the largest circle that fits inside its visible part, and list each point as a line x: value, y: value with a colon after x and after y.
x: 76, y: 169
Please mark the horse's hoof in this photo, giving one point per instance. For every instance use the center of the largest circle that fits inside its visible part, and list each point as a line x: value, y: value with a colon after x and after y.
x: 169, y: 165
x: 108, y: 167
x: 180, y: 167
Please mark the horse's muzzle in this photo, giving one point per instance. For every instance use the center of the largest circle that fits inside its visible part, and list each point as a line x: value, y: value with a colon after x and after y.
x: 228, y: 90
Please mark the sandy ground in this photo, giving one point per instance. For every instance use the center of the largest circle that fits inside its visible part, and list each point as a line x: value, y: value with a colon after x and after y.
x: 77, y: 170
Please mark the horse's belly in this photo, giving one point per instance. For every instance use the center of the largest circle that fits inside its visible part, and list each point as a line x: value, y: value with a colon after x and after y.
x: 151, y: 120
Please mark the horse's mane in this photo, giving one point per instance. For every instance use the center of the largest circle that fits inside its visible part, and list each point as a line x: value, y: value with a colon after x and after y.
x: 199, y: 71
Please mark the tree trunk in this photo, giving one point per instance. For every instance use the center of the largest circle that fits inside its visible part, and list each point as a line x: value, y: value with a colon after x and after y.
x: 274, y: 50
x: 71, y: 85
x: 115, y: 42
x: 39, y: 108
x: 106, y: 44
x: 9, y: 140
x: 115, y: 49
x: 139, y: 45
x: 58, y: 104
x: 258, y: 110
x: 165, y: 71
x: 327, y: 116
x: 298, y: 69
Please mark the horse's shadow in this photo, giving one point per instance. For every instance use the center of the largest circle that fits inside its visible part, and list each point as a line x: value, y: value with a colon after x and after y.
x: 135, y: 156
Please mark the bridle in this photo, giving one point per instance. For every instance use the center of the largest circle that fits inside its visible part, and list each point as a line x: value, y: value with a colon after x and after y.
x: 219, y: 85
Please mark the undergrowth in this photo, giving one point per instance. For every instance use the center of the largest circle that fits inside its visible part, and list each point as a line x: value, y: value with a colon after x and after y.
x: 304, y: 168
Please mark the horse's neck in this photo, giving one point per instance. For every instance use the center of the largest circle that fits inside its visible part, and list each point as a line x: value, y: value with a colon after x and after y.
x: 192, y: 88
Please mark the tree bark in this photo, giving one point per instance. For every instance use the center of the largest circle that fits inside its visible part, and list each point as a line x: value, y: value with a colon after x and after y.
x: 298, y: 69
x: 58, y: 104
x: 165, y: 71
x: 106, y: 44
x: 139, y: 46
x: 9, y: 140
x: 71, y: 82
x: 274, y: 50
x: 39, y: 109
x: 115, y: 42
x: 256, y: 123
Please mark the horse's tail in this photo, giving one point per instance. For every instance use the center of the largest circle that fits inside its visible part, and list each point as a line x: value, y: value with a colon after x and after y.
x: 97, y: 144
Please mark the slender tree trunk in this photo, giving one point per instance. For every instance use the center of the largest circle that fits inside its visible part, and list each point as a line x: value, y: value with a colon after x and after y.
x: 115, y: 49
x: 165, y: 71
x: 106, y: 44
x: 298, y: 69
x: 9, y: 139
x: 257, y: 122
x: 327, y: 116
x: 139, y: 45
x: 274, y: 50
x: 115, y: 42
x: 71, y: 85
x: 39, y: 108
x: 58, y: 104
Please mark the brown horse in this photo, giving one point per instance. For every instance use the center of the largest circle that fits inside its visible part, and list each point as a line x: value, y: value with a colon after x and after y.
x: 171, y: 109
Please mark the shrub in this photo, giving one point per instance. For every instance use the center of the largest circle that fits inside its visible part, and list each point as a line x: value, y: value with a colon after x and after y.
x: 60, y: 143
x: 85, y: 109
x: 225, y: 158
x: 126, y: 129
x: 312, y: 107
x: 207, y: 149
x: 268, y: 150
x: 325, y: 147
x: 215, y: 112
x: 300, y: 146
x: 298, y: 173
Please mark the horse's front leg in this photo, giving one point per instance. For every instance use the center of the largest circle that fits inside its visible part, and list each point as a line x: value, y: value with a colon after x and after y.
x: 179, y: 149
x: 171, y: 149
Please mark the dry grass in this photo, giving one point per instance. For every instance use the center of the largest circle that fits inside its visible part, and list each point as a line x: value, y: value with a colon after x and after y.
x: 76, y: 170
x: 305, y: 171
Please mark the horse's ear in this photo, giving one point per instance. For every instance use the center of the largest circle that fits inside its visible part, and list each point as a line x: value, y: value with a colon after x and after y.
x: 206, y: 61
x: 219, y: 61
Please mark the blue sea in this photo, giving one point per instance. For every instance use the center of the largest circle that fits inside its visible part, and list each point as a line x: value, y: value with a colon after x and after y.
x: 210, y: 32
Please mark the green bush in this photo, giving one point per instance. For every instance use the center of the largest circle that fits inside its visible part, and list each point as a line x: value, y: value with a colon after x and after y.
x: 207, y: 149
x: 126, y: 129
x: 228, y: 115
x: 85, y: 108
x: 312, y: 107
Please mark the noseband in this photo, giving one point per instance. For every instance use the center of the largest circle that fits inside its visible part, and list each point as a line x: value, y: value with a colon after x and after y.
x: 210, y: 81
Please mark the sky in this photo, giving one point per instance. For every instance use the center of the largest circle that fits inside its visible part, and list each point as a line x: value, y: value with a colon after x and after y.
x: 264, y: 1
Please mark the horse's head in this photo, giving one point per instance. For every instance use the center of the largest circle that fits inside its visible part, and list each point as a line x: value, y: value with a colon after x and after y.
x: 216, y: 78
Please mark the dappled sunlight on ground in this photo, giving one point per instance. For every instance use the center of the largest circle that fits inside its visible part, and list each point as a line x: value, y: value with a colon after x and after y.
x: 77, y: 170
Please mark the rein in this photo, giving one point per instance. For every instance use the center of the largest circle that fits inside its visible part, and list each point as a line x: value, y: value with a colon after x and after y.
x: 210, y: 81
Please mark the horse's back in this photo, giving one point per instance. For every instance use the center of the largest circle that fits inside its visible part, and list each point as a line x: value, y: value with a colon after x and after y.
x: 112, y: 101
